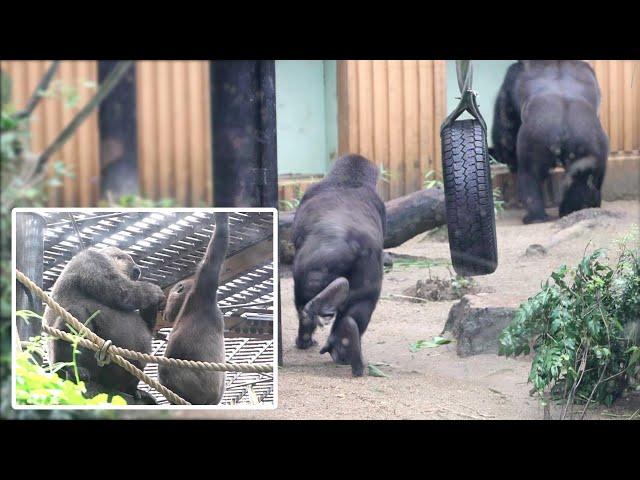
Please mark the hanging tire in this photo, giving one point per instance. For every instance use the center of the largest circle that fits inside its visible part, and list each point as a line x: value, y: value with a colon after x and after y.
x: 469, y: 198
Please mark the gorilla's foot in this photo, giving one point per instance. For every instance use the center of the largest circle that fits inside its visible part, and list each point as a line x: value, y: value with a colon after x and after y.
x: 344, y: 346
x: 144, y: 398
x: 305, y: 341
x: 326, y: 303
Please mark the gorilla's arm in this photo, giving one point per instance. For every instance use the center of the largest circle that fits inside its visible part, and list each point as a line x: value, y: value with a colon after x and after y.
x: 96, y: 275
x: 209, y: 274
x: 205, y: 288
x: 150, y: 316
x: 506, y: 119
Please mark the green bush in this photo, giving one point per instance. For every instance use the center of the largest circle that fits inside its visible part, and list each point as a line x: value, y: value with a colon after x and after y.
x: 37, y: 386
x: 583, y: 329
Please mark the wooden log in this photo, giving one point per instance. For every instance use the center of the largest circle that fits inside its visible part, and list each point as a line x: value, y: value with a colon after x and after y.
x: 407, y: 216
x: 412, y: 214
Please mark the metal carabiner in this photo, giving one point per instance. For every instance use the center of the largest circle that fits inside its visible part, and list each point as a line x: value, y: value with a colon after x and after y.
x: 468, y: 103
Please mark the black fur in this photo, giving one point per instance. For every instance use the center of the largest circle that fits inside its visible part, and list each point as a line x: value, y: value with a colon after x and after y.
x: 546, y: 114
x: 338, y: 233
x: 198, y: 332
x: 105, y: 280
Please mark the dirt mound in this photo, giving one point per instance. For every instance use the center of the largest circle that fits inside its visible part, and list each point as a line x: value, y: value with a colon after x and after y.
x: 437, y: 290
x: 587, y: 214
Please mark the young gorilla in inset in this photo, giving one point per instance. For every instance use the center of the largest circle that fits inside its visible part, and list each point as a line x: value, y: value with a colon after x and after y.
x: 547, y: 114
x: 338, y: 234
x: 198, y: 332
x: 106, y: 280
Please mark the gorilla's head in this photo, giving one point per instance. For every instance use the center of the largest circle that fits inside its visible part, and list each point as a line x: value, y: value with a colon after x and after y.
x: 353, y: 169
x: 581, y: 193
x: 175, y: 299
x: 123, y: 262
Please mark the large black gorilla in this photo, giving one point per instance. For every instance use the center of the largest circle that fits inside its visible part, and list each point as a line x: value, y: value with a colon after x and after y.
x: 338, y: 234
x: 546, y: 114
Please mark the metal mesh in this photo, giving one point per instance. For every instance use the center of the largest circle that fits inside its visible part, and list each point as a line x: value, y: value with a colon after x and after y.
x: 240, y: 388
x: 168, y: 246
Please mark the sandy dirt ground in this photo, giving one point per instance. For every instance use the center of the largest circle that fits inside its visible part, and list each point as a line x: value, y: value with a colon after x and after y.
x: 435, y: 383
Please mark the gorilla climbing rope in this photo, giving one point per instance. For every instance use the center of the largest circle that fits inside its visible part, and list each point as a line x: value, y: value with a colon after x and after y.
x: 107, y: 352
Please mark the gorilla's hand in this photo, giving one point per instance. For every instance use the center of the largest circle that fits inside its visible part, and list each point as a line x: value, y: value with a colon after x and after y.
x: 152, y: 295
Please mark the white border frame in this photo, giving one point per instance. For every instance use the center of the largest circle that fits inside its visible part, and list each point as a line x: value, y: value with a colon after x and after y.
x: 276, y: 310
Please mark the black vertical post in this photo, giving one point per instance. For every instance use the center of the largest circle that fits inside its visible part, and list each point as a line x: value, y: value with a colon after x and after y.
x: 29, y: 260
x: 269, y: 157
x: 118, y: 135
x: 236, y: 125
x: 244, y: 141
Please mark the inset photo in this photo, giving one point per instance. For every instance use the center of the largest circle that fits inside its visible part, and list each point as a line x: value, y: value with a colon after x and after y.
x: 144, y: 308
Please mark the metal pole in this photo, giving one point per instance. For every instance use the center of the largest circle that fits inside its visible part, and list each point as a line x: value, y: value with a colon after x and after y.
x: 118, y: 134
x: 29, y: 260
x: 244, y: 140
x: 235, y: 122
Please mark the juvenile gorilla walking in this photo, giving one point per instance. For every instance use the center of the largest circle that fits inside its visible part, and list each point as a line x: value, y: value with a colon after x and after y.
x: 198, y: 331
x: 338, y: 234
x: 546, y: 114
x: 105, y: 281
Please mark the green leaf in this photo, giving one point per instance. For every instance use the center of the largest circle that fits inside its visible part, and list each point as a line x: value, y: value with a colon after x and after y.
x: 420, y: 344
x: 376, y: 372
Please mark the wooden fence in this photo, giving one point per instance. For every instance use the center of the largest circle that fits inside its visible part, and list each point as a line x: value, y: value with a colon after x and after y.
x: 620, y: 109
x: 81, y: 153
x: 389, y: 111
x: 173, y: 123
x: 174, y: 131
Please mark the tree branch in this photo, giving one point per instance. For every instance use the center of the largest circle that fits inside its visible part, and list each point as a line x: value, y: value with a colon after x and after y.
x: 36, y: 96
x: 105, y: 88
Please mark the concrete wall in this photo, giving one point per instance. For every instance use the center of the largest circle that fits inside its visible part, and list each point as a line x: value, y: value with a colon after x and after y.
x: 307, y: 111
x: 487, y: 79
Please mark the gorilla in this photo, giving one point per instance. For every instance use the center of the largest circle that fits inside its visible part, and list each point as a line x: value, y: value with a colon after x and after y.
x: 338, y: 234
x: 198, y: 332
x: 546, y: 114
x: 106, y: 281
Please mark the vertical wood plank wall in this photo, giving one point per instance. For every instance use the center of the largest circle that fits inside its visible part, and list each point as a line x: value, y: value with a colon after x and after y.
x: 174, y: 131
x: 174, y: 134
x: 620, y: 108
x: 81, y: 152
x: 391, y: 112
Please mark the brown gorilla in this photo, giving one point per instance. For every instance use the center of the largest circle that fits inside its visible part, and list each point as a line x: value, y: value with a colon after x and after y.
x: 198, y: 332
x: 105, y: 281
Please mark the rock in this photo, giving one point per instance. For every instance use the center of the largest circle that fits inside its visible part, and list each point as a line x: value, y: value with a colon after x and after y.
x: 387, y: 259
x: 476, y: 321
x: 536, y: 250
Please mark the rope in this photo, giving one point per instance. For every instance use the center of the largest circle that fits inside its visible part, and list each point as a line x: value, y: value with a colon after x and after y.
x: 118, y: 355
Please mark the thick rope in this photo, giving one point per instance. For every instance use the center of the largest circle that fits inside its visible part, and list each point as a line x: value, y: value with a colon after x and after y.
x: 170, y: 362
x: 117, y: 354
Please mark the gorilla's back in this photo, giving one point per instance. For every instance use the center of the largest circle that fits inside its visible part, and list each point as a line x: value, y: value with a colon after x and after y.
x: 569, y: 80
